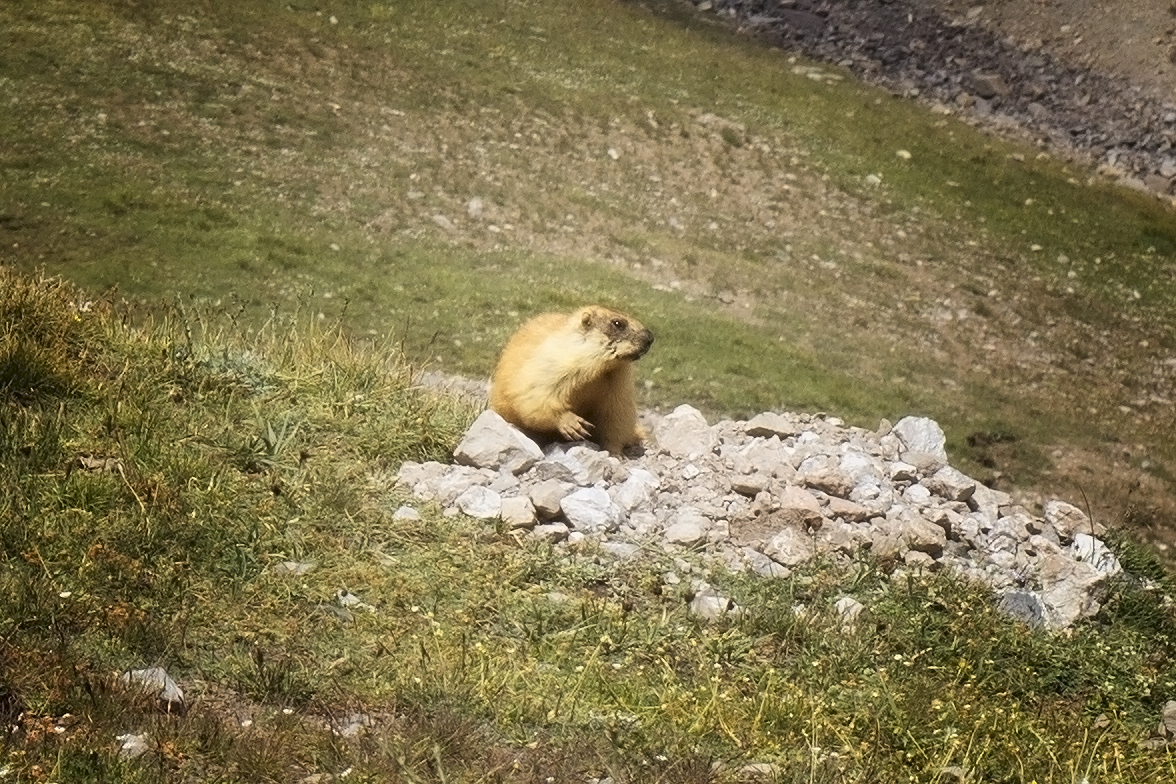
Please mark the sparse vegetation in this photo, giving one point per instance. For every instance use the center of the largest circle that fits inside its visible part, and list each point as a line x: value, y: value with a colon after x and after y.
x: 190, y: 479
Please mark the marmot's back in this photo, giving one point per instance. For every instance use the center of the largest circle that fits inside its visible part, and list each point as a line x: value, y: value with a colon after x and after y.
x: 570, y: 376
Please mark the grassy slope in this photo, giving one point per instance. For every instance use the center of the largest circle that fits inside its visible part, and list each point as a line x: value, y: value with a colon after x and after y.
x: 248, y: 160
x: 155, y: 480
x: 272, y: 158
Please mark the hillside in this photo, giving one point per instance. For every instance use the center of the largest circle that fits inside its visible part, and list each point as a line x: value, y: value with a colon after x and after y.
x: 273, y: 216
x: 810, y: 244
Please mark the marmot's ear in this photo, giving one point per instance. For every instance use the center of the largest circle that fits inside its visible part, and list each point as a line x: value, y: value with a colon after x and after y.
x: 586, y: 320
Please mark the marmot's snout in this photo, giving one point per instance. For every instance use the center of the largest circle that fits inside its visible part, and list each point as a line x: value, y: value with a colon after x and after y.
x: 644, y: 340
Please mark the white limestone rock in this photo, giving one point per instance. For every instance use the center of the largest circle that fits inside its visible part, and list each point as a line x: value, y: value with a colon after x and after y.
x: 591, y: 510
x: 922, y: 436
x: 770, y: 424
x: 492, y: 442
x: 950, y: 484
x: 684, y: 433
x: 518, y: 512
x: 1068, y: 520
x: 790, y: 547
x: 478, y: 502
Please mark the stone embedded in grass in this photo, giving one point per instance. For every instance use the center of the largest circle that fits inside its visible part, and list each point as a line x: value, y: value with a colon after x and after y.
x: 132, y: 746
x: 709, y: 605
x: 155, y: 680
x: 1168, y: 720
x: 1025, y: 606
x: 350, y: 600
x: 550, y: 532
x: 848, y: 609
x: 295, y: 568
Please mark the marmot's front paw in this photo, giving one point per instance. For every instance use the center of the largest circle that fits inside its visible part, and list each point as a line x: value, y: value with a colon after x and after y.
x: 574, y: 427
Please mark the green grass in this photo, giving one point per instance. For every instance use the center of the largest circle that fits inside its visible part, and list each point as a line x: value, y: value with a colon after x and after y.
x: 216, y: 454
x: 245, y: 174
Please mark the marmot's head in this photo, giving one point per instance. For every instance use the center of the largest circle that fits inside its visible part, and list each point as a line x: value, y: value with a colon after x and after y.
x: 623, y: 336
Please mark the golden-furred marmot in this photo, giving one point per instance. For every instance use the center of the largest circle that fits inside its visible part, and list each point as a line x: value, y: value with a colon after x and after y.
x: 570, y: 376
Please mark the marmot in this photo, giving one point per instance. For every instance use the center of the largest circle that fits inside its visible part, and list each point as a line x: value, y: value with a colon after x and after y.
x: 570, y: 376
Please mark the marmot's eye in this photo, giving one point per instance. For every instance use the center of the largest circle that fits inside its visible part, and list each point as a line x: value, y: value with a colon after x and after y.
x: 619, y: 324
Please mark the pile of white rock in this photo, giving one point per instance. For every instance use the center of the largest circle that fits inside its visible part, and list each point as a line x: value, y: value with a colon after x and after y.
x: 770, y: 494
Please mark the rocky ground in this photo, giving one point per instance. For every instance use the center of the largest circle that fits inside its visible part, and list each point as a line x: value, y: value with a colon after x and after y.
x: 772, y: 493
x: 1090, y: 78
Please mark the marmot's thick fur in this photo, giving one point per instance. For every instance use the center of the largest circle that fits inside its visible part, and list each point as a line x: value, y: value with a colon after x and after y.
x: 570, y: 376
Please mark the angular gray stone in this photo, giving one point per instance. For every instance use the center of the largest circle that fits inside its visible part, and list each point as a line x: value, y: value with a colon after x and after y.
x: 492, y: 442
x: 156, y: 681
x: 770, y: 424
x: 518, y: 512
x: 848, y: 510
x: 638, y: 491
x: 684, y: 433
x: 951, y: 484
x: 446, y: 489
x: 797, y: 507
x: 917, y: 495
x: 987, y: 501
x: 1068, y: 520
x: 767, y: 457
x: 478, y: 502
x: 829, y: 480
x: 586, y: 464
x: 922, y: 436
x: 838, y: 537
x: 903, y: 472
x: 547, y: 495
x: 1066, y: 589
x: 750, y: 485
x: 591, y: 510
x: 688, y: 528
x: 790, y: 547
x: 919, y: 534
x: 861, y: 468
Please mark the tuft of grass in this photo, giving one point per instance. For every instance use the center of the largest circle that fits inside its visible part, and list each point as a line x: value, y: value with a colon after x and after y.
x: 47, y: 337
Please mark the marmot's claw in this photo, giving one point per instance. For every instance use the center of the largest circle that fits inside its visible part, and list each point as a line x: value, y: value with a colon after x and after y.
x: 574, y: 427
